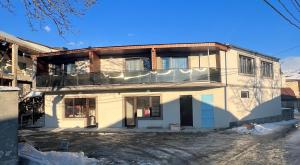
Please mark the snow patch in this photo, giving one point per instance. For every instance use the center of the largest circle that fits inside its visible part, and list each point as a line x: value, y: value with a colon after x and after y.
x: 33, y: 94
x: 34, y: 156
x: 264, y: 129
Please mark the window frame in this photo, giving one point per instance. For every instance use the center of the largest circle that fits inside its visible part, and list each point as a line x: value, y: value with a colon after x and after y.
x: 142, y: 63
x: 150, y: 105
x: 73, y: 100
x: 171, y: 63
x: 262, y: 69
x: 240, y: 68
x: 247, y: 93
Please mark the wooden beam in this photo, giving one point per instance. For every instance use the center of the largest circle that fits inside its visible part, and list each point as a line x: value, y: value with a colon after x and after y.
x: 132, y: 47
x: 94, y: 62
x: 153, y: 59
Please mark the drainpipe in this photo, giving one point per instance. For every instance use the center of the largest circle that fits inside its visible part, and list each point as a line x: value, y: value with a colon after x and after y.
x: 226, y: 85
x: 208, y: 64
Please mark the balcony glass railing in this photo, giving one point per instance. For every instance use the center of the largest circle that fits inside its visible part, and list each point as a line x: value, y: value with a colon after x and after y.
x: 135, y: 77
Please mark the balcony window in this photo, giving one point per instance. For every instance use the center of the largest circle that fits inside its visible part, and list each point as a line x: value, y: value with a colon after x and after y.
x: 247, y: 65
x: 67, y: 68
x: 266, y: 69
x: 137, y: 64
x: 22, y: 65
x: 79, y: 107
x: 174, y: 63
x: 70, y: 68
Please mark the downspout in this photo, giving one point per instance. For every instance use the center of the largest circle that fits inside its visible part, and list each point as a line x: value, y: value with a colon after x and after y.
x: 226, y: 83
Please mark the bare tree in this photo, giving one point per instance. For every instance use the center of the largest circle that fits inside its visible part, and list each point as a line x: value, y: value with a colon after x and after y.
x: 57, y: 11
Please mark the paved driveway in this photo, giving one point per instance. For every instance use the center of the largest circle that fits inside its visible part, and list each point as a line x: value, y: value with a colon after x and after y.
x: 221, y: 147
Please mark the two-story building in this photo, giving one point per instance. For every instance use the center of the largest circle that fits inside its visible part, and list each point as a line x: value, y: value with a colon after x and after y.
x: 200, y: 85
x: 16, y: 64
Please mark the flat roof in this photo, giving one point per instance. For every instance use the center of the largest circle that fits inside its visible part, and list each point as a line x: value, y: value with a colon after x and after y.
x: 254, y: 52
x: 219, y: 45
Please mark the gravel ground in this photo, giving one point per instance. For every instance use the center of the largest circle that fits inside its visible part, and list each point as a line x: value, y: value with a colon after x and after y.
x: 222, y: 147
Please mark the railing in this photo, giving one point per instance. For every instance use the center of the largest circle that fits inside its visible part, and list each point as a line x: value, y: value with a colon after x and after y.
x: 135, y: 77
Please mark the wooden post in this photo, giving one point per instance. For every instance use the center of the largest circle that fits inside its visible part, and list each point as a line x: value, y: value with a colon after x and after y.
x: 34, y: 71
x: 153, y: 59
x: 94, y: 62
x: 14, y: 58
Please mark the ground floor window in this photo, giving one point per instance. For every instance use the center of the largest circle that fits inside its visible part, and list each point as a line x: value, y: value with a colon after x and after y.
x: 79, y: 107
x: 145, y: 106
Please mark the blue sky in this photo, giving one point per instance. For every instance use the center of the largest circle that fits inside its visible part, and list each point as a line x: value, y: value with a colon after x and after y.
x: 247, y: 23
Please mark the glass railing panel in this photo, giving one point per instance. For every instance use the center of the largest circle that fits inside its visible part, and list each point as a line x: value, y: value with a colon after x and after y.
x: 199, y: 74
x: 134, y: 77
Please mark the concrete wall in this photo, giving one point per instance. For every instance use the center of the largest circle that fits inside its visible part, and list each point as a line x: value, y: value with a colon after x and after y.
x: 8, y: 126
x: 294, y: 85
x: 111, y: 111
x: 264, y: 99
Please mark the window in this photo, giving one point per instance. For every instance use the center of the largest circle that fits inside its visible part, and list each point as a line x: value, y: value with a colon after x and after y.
x: 79, y: 107
x: 247, y: 65
x: 22, y: 65
x: 70, y: 68
x: 266, y: 69
x: 244, y: 94
x: 138, y: 64
x: 56, y: 69
x: 174, y: 63
x: 148, y: 106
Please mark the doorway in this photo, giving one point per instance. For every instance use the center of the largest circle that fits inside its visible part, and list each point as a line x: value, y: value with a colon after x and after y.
x: 130, y: 118
x: 186, y: 110
x: 207, y: 111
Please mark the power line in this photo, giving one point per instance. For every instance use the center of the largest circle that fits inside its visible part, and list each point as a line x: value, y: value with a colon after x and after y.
x: 288, y: 11
x: 296, y: 5
x: 282, y: 15
x: 288, y: 49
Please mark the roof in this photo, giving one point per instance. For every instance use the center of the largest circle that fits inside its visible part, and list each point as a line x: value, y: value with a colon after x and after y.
x: 132, y: 47
x: 287, y: 94
x: 25, y: 43
x: 219, y: 45
x: 254, y: 52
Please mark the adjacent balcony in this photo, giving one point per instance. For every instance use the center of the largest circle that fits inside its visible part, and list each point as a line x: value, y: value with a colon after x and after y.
x: 6, y: 70
x: 135, y: 77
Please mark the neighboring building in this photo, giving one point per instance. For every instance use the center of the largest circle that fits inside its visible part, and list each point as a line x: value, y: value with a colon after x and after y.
x: 16, y: 64
x: 201, y: 85
x: 291, y: 94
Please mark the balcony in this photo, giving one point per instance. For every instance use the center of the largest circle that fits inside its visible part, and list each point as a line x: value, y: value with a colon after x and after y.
x: 25, y: 74
x: 5, y: 70
x: 136, y: 77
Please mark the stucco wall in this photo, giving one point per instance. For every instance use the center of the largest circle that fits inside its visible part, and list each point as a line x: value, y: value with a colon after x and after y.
x: 111, y: 112
x: 264, y: 93
x: 294, y: 85
x: 8, y: 127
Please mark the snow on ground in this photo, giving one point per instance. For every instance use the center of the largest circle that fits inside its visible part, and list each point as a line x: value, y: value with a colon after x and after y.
x: 33, y: 156
x: 264, y: 129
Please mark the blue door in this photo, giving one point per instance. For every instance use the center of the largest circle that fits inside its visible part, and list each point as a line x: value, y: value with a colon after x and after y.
x: 207, y: 111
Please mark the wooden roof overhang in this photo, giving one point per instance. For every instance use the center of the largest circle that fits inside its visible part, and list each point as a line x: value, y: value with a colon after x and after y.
x: 132, y: 49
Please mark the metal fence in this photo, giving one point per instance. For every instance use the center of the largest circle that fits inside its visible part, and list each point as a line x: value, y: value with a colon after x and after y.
x: 134, y: 77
